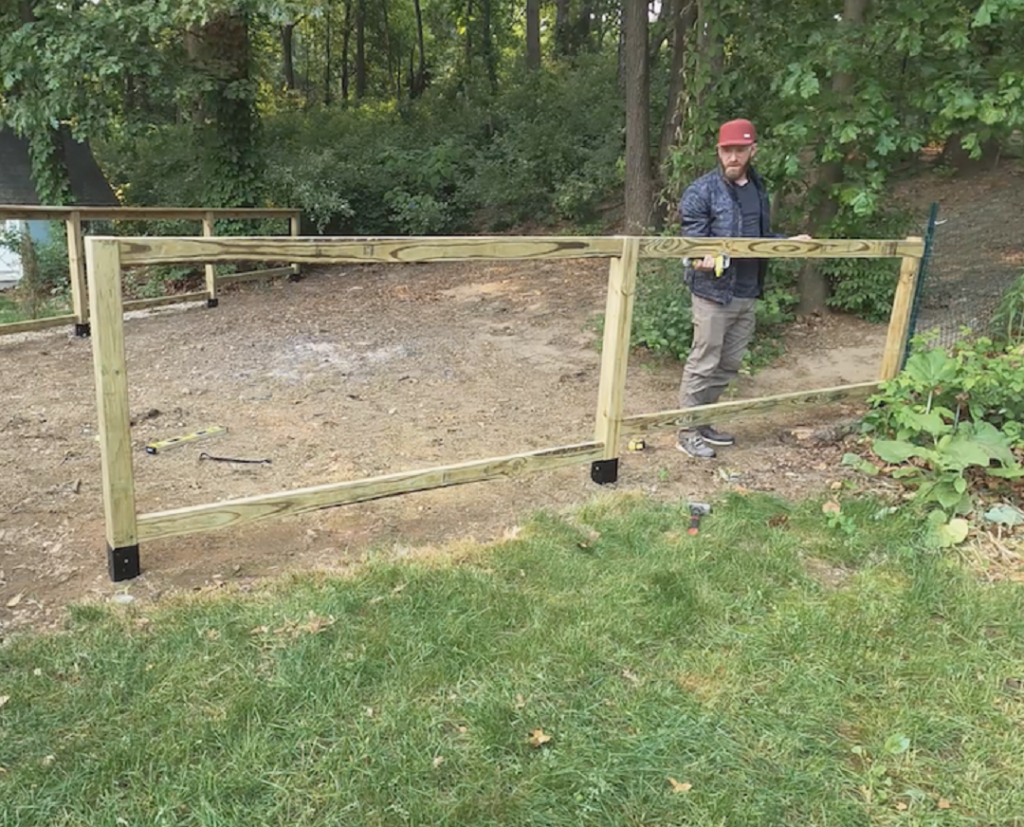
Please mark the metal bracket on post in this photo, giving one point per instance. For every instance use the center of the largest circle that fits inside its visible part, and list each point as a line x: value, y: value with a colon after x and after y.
x: 605, y: 471
x: 123, y: 563
x: 83, y: 331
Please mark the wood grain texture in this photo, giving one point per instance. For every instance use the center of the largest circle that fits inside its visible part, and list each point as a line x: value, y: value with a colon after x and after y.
x: 899, y: 319
x: 295, y: 227
x: 76, y: 267
x: 779, y: 248
x: 237, y: 512
x: 162, y: 301
x: 104, y: 271
x: 183, y: 250
x: 211, y: 270
x: 17, y: 211
x: 254, y: 275
x: 743, y: 409
x: 36, y: 324
x: 615, y: 347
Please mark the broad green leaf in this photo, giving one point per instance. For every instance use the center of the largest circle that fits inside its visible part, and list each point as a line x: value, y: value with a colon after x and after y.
x: 890, y: 450
x: 1008, y: 515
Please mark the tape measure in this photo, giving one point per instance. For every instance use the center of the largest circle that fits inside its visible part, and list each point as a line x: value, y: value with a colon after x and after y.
x: 637, y: 444
x: 722, y: 262
x: 166, y: 444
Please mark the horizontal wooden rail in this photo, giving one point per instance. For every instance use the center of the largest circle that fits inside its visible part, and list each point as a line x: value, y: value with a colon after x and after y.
x: 237, y: 512
x: 743, y: 408
x: 33, y: 213
x: 184, y: 250
x: 36, y: 324
x: 161, y: 301
x: 254, y: 275
x: 778, y: 248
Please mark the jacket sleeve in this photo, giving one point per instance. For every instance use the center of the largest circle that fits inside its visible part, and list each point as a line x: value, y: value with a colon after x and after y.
x: 695, y: 212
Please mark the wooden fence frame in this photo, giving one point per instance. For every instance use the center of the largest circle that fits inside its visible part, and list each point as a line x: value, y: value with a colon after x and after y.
x: 73, y: 218
x: 125, y: 528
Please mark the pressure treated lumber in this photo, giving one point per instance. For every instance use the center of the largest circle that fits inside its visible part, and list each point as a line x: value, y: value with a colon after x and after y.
x: 615, y: 348
x: 76, y: 267
x: 105, y: 304
x: 779, y: 248
x: 295, y: 228
x: 899, y: 318
x: 35, y: 324
x: 32, y: 213
x: 254, y: 275
x: 184, y: 250
x: 237, y: 512
x: 211, y: 271
x: 161, y: 301
x: 744, y: 409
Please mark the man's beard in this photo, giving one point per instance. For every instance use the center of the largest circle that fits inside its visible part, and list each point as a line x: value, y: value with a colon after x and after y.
x: 736, y: 173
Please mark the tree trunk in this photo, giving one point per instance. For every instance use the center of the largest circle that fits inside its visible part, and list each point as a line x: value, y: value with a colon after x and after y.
x: 563, y: 28
x: 328, y: 91
x: 346, y: 36
x: 360, y: 49
x: 469, y: 38
x: 420, y: 78
x: 639, y: 180
x: 684, y: 16
x: 390, y: 57
x: 812, y: 283
x: 288, y: 54
x: 532, y: 34
x: 490, y: 56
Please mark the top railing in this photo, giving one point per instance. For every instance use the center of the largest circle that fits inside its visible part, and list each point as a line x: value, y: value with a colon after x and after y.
x: 46, y: 213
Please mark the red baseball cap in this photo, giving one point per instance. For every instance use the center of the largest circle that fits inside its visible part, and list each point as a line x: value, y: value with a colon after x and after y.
x: 737, y: 133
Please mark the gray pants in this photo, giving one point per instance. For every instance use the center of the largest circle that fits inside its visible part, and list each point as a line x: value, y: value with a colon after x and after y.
x: 721, y: 334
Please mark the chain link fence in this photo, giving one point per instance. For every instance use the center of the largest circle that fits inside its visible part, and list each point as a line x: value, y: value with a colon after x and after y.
x: 969, y: 275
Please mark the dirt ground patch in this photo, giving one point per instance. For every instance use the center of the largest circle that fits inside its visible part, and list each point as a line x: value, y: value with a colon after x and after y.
x: 352, y: 372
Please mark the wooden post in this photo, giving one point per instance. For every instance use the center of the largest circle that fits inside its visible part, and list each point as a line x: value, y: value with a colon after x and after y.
x: 76, y: 267
x: 294, y: 223
x: 899, y: 320
x: 211, y: 271
x: 104, y: 272
x: 618, y: 319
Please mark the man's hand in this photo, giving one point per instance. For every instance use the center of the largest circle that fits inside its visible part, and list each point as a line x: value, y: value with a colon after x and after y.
x: 706, y: 263
x: 801, y: 237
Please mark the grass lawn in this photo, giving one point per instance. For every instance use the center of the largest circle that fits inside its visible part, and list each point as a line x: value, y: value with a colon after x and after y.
x: 780, y: 669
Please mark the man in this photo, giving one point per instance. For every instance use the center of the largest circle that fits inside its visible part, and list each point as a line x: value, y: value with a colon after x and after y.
x: 730, y: 202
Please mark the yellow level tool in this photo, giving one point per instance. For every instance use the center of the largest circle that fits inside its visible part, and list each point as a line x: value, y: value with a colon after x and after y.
x: 174, y: 442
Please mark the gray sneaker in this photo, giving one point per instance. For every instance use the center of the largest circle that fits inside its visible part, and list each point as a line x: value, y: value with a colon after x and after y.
x: 713, y: 437
x: 693, y: 444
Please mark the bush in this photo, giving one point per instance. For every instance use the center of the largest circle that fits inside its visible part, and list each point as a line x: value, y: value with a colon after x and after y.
x: 46, y: 281
x: 1007, y: 324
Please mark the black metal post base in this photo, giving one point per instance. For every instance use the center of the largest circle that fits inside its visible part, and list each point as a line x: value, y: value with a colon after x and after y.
x: 123, y: 563
x: 83, y: 331
x: 212, y: 302
x: 605, y: 471
x: 293, y: 277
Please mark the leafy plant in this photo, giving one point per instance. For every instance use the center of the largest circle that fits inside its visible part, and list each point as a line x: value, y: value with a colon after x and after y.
x: 1007, y: 324
x: 949, y: 419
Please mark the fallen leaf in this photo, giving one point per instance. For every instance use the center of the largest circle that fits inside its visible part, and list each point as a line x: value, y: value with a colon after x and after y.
x: 14, y: 601
x: 463, y: 730
x: 902, y: 805
x: 831, y: 507
x: 520, y: 702
x: 369, y: 712
x: 212, y: 634
x: 438, y: 761
x: 630, y: 676
x: 259, y: 630
x: 48, y: 760
x: 400, y: 587
x: 944, y: 804
x: 778, y: 520
x: 4, y: 699
x: 37, y: 672
x: 680, y: 787
x: 538, y: 738
x: 835, y: 486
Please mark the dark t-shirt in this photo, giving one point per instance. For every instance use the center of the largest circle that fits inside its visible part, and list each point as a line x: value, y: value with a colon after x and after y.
x: 746, y: 268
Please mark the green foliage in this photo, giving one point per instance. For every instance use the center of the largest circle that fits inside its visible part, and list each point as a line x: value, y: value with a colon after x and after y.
x: 44, y: 289
x: 1007, y: 323
x: 663, y: 321
x: 866, y: 286
x: 950, y: 419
